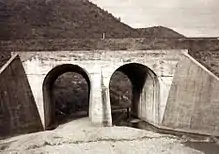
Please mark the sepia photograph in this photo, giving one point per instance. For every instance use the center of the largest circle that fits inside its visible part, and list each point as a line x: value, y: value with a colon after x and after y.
x: 109, y: 77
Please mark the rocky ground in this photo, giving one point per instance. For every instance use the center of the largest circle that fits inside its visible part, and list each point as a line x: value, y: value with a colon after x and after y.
x: 80, y: 137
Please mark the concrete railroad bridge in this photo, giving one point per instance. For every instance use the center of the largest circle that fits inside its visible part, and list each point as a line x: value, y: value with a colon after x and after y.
x: 171, y: 90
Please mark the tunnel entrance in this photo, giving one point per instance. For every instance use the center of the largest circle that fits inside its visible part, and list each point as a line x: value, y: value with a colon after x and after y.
x: 133, y: 95
x: 120, y: 97
x: 66, y: 90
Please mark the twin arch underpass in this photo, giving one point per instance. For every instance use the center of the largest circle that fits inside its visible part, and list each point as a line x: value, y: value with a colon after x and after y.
x: 131, y: 86
x: 160, y: 87
x: 116, y: 82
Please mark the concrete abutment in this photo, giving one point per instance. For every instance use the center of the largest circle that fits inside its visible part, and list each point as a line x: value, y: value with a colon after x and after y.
x: 145, y: 69
x: 159, y: 79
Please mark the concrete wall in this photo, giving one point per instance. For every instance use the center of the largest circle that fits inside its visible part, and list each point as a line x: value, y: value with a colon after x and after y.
x: 178, y: 93
x: 100, y: 65
x: 193, y: 102
x: 148, y: 108
x: 18, y: 111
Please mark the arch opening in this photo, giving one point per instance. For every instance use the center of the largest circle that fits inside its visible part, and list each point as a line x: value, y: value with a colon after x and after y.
x: 66, y: 92
x: 133, y: 95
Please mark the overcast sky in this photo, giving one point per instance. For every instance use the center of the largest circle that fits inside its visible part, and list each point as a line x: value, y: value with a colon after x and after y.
x: 193, y: 18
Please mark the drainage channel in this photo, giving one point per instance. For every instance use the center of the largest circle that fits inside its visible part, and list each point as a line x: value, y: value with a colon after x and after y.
x: 206, y: 144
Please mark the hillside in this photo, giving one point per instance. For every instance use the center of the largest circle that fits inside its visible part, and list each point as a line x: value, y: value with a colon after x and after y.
x: 31, y: 19
x: 34, y: 19
x: 64, y: 25
x: 160, y: 32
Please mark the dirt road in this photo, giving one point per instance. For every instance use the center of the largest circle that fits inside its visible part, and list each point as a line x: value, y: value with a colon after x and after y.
x: 80, y: 137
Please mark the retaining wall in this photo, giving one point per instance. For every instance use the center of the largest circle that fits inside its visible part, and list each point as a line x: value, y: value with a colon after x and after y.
x: 18, y: 111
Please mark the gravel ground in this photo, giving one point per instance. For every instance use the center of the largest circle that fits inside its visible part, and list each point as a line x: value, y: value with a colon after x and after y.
x: 80, y: 137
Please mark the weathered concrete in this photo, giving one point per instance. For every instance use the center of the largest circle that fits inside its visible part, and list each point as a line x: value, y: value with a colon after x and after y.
x: 18, y: 111
x: 193, y: 102
x: 157, y: 68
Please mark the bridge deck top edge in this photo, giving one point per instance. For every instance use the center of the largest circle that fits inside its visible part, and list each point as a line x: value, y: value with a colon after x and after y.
x: 102, y: 51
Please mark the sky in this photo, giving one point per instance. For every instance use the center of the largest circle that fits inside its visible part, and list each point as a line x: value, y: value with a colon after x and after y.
x: 192, y: 18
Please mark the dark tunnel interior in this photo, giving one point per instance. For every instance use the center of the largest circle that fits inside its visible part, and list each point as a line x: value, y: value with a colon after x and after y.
x: 66, y: 92
x: 126, y: 85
